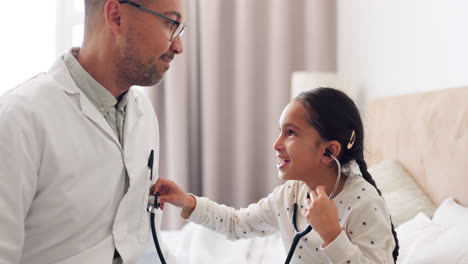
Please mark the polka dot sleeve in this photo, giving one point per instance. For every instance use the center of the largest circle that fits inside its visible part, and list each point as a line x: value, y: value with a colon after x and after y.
x: 257, y: 219
x: 367, y: 235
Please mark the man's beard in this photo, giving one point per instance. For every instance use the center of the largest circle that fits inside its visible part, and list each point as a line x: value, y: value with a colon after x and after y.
x: 133, y: 70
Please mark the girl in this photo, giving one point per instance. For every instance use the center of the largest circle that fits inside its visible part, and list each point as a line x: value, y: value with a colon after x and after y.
x: 319, y: 130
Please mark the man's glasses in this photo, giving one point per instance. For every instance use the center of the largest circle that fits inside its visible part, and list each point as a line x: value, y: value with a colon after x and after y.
x: 178, y: 27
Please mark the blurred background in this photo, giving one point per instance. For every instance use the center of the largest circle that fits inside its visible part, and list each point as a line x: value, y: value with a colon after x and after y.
x: 220, y: 103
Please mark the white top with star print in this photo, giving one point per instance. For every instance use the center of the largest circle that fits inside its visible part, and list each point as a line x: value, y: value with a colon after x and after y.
x: 363, y: 215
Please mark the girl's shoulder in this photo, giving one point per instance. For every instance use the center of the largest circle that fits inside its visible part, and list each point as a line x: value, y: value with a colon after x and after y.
x: 359, y: 194
x: 360, y: 199
x: 357, y: 185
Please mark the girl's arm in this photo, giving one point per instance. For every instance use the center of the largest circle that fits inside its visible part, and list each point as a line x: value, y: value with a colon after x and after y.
x: 257, y: 219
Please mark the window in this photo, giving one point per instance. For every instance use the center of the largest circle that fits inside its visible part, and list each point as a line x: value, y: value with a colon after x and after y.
x: 34, y: 33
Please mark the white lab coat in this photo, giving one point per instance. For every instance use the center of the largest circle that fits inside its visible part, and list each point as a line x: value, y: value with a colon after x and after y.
x: 60, y: 170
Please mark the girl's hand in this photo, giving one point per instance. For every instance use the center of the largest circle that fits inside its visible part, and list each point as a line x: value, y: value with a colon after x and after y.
x: 171, y: 193
x: 322, y: 214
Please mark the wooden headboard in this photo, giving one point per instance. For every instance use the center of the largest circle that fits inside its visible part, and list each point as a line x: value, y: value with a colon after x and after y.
x: 428, y: 134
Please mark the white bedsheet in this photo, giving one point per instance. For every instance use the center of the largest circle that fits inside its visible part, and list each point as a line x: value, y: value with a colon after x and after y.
x: 194, y: 244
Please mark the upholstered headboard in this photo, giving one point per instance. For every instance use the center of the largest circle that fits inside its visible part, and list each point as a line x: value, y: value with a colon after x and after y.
x: 428, y: 134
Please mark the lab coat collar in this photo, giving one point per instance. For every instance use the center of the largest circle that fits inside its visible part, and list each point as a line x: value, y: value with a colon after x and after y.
x: 60, y: 73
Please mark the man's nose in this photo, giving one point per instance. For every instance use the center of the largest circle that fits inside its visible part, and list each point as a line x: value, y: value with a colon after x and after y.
x: 176, y: 46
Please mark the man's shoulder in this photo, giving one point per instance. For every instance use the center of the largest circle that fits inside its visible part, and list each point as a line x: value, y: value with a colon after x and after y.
x: 35, y: 86
x: 29, y: 94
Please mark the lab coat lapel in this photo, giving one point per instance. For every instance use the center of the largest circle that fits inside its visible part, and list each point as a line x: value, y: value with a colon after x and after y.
x: 133, y: 113
x: 60, y: 73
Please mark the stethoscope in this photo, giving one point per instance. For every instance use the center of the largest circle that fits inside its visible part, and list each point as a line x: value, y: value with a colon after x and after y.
x: 298, y: 235
x: 153, y: 205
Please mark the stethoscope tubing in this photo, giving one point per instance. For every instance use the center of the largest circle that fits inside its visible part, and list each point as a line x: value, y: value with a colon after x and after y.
x: 296, y: 239
x: 298, y: 235
x: 153, y: 204
x: 155, y: 239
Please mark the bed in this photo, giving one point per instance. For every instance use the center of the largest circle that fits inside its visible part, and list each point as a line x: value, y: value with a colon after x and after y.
x: 417, y: 151
x: 417, y: 147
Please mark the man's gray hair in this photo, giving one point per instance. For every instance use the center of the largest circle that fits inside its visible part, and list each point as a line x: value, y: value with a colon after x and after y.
x: 92, y: 6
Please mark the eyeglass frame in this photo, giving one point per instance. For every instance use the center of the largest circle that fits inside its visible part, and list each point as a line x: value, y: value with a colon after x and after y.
x: 180, y: 25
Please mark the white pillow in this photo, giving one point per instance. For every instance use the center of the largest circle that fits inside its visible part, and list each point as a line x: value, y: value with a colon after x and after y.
x: 423, y: 241
x: 409, y: 230
x: 451, y: 213
x: 404, y: 198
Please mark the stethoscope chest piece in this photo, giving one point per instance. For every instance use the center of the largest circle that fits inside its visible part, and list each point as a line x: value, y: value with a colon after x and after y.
x: 153, y: 203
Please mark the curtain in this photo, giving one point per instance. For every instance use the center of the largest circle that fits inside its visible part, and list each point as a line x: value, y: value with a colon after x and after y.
x: 220, y: 102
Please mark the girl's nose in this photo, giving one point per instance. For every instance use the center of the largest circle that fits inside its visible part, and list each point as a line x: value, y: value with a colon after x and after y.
x: 278, y: 144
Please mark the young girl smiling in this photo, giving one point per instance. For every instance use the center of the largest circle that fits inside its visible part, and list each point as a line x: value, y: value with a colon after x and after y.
x: 320, y: 155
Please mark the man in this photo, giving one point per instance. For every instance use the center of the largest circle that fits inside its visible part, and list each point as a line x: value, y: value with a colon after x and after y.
x: 75, y: 141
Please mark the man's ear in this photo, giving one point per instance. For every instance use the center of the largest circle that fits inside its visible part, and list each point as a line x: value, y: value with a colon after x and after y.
x: 331, y: 148
x: 112, y: 14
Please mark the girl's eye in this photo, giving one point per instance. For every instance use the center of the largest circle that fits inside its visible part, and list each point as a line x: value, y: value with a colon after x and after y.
x: 291, y: 132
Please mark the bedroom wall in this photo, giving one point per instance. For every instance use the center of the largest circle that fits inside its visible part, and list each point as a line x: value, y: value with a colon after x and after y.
x: 402, y: 46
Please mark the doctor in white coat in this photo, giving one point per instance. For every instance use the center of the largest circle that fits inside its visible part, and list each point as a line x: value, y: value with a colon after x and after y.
x: 75, y: 141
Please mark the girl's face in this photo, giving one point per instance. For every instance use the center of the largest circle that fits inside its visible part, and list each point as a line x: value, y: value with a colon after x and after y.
x: 299, y: 147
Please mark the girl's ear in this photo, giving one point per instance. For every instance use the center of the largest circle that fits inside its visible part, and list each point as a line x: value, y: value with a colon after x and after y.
x: 331, y: 148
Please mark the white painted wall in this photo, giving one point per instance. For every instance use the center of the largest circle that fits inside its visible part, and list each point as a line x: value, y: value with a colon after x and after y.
x: 402, y: 46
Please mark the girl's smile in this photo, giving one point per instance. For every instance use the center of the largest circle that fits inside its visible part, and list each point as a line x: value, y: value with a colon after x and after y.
x: 282, y: 162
